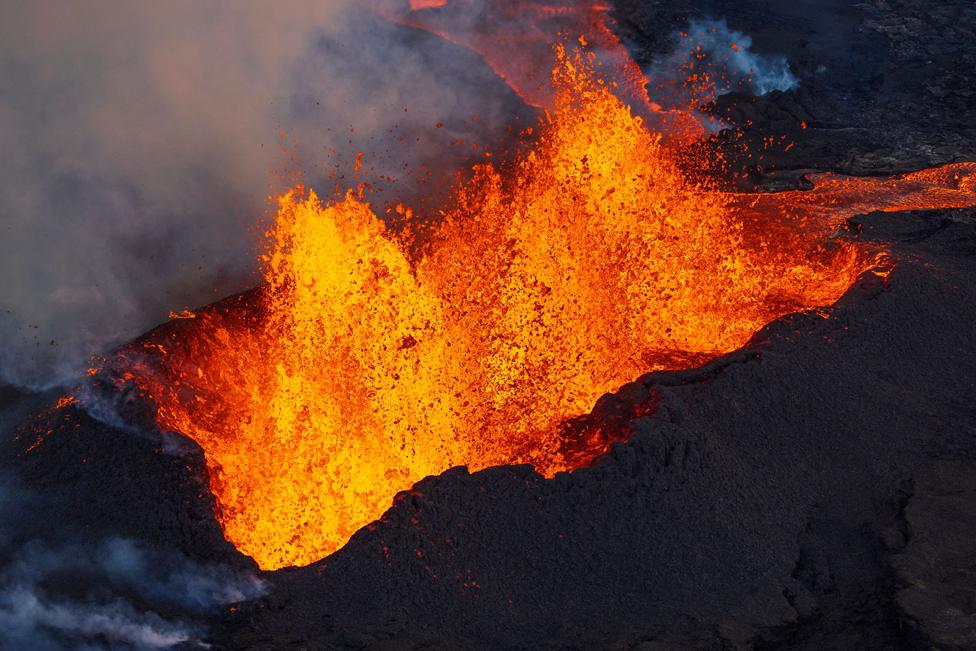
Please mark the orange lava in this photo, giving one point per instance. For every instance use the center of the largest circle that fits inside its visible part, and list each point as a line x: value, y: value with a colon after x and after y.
x: 835, y: 196
x: 416, y: 5
x: 516, y: 37
x: 371, y: 363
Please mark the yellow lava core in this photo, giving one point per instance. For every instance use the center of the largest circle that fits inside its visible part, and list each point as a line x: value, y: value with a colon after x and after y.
x: 373, y: 364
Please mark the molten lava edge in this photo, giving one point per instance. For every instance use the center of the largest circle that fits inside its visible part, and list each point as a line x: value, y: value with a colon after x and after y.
x: 365, y: 365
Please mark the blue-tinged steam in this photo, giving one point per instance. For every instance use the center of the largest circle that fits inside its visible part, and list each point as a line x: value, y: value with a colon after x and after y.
x: 727, y: 57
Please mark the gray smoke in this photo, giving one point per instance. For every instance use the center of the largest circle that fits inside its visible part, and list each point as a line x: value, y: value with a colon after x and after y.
x: 30, y: 623
x: 141, y: 141
x: 726, y: 55
x: 117, y: 595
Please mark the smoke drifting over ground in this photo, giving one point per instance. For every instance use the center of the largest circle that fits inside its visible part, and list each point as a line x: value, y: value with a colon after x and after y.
x: 725, y: 56
x: 132, y: 597
x: 142, y: 141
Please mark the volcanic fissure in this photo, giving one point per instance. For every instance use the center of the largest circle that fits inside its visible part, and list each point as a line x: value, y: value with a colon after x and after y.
x: 374, y: 357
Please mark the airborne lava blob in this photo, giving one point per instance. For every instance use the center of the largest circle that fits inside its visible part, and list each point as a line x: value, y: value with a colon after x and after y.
x: 370, y: 363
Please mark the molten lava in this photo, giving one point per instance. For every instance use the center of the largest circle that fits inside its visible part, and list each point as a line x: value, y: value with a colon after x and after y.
x: 516, y: 37
x: 371, y: 363
x: 835, y: 196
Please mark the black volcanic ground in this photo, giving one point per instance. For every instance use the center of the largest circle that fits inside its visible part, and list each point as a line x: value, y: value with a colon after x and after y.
x: 816, y: 489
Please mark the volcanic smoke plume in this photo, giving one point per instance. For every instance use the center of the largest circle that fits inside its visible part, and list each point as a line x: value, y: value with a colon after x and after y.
x: 489, y: 225
x: 145, y: 140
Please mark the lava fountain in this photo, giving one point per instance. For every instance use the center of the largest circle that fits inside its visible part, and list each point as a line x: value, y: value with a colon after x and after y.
x: 368, y: 361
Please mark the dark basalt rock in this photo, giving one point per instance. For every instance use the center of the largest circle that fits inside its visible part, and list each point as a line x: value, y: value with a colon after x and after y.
x: 813, y: 490
x: 885, y: 86
x: 760, y: 505
x: 937, y: 566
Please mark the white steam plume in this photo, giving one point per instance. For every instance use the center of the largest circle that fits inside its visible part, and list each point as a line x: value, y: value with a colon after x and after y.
x: 111, y: 596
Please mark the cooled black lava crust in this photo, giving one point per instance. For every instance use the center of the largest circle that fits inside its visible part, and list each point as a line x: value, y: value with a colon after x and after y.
x: 813, y: 490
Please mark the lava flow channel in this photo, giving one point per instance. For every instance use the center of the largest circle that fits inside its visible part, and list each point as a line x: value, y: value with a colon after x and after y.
x: 369, y: 365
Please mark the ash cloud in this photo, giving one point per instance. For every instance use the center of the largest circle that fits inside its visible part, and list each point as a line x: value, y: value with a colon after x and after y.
x: 117, y: 595
x: 141, y: 141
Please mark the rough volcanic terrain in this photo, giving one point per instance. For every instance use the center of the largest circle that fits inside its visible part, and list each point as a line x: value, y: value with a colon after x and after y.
x: 812, y: 490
